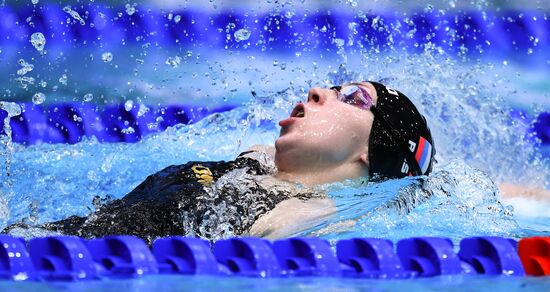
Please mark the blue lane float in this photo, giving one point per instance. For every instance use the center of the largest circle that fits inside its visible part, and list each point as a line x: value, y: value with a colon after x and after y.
x: 250, y: 257
x: 188, y: 256
x: 62, y: 258
x: 505, y: 31
x: 70, y: 258
x: 491, y: 255
x: 306, y: 257
x: 429, y: 256
x: 15, y: 262
x: 70, y: 122
x: 370, y: 258
x: 122, y: 256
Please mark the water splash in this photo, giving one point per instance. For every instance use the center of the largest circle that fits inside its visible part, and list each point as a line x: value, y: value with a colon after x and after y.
x: 75, y: 15
x: 38, y: 41
x: 6, y: 153
x: 242, y: 35
x: 128, y: 105
x: 63, y: 79
x: 25, y: 67
x: 88, y: 97
x: 107, y: 57
x: 38, y: 98
x: 130, y: 8
x: 173, y: 62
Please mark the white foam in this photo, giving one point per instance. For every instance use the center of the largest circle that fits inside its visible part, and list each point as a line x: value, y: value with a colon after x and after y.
x: 529, y: 207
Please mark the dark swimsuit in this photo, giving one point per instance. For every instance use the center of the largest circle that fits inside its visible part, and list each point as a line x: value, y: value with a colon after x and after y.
x: 207, y: 199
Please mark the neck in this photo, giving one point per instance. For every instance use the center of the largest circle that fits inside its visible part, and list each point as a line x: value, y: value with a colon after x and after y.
x: 322, y: 176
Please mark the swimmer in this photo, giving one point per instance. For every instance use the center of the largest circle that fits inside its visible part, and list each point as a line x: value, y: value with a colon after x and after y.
x: 355, y: 130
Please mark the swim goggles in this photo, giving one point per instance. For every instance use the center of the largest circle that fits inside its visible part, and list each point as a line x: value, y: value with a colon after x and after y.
x: 355, y: 95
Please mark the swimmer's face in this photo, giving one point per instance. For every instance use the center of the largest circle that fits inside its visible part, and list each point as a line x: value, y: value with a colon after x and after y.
x: 323, y: 133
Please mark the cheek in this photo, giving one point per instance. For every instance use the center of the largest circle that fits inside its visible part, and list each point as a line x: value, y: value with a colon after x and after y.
x: 345, y: 129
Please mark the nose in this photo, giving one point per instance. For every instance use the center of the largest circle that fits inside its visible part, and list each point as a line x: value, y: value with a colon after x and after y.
x: 318, y: 95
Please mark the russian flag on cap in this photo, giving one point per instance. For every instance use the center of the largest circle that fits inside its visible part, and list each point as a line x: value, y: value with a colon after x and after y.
x: 423, y: 154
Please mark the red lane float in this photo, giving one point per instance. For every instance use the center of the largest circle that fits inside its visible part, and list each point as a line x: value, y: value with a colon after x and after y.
x: 534, y: 253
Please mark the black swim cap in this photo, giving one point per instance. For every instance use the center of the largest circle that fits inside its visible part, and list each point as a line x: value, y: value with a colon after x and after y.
x: 400, y: 142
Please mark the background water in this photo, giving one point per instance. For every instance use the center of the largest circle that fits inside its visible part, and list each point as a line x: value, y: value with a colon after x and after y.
x: 480, y: 99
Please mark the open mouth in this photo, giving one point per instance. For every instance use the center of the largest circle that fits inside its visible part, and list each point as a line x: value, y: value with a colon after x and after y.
x: 298, y: 111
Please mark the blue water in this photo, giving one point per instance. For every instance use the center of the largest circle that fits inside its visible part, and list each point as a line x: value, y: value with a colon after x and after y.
x: 202, y: 283
x: 467, y: 100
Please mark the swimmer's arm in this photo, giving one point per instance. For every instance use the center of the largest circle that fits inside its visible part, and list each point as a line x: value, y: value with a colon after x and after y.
x: 292, y: 216
x: 509, y: 190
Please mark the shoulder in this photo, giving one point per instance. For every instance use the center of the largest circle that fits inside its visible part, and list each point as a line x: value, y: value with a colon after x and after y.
x: 267, y: 149
x: 264, y: 155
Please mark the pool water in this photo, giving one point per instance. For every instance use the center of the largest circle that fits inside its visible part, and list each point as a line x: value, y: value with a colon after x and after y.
x: 202, y: 283
x: 480, y: 107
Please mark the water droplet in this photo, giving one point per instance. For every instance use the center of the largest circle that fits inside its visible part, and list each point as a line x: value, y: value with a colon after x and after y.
x: 173, y: 61
x: 63, y: 79
x: 130, y: 9
x: 74, y: 14
x: 128, y: 130
x: 429, y: 8
x: 25, y: 67
x: 177, y: 18
x: 24, y: 81
x: 353, y: 3
x: 142, y: 110
x: 242, y: 34
x: 338, y: 42
x: 128, y: 105
x: 229, y: 27
x: 12, y: 108
x: 107, y: 57
x: 34, y: 2
x: 38, y: 98
x: 88, y: 97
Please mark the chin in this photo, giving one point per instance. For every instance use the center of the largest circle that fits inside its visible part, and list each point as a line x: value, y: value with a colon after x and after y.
x: 283, y: 159
x: 282, y: 143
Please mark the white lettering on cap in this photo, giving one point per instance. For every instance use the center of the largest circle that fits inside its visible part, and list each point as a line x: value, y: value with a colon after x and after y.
x: 392, y: 91
x: 405, y: 167
x: 412, y: 146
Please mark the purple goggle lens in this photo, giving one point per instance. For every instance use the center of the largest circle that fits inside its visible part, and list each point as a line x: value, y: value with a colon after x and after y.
x: 354, y: 95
